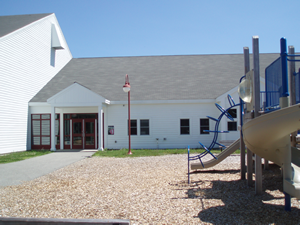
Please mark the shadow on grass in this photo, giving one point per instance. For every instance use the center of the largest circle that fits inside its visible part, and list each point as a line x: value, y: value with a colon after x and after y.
x: 241, y: 204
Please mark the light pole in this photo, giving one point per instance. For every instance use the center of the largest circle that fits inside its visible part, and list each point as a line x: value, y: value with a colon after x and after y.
x: 126, y: 88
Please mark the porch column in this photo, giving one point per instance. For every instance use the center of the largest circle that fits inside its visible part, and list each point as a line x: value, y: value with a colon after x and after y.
x: 53, y: 129
x: 100, y: 122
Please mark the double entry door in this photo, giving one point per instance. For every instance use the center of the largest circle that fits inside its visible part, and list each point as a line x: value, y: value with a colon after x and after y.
x: 83, y: 133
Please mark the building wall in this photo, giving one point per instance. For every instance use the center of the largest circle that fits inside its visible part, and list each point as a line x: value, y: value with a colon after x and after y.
x: 26, y: 60
x: 164, y: 125
x: 164, y: 121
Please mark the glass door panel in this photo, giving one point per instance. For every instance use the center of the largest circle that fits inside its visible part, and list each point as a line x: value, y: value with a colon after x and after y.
x: 77, y: 134
x: 89, y: 133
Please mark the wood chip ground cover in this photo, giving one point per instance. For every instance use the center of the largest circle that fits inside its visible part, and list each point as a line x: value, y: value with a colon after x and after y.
x: 151, y: 190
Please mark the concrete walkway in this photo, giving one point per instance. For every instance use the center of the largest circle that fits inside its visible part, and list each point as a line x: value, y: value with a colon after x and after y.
x: 17, y: 172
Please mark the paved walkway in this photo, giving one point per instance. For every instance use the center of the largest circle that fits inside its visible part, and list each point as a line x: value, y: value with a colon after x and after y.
x: 17, y: 172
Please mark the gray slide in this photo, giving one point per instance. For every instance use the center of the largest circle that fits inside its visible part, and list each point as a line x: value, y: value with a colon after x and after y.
x: 223, y: 155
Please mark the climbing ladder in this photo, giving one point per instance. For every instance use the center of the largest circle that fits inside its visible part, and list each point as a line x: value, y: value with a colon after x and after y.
x: 207, y: 150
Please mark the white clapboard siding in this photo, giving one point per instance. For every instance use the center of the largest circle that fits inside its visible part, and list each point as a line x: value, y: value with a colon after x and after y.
x: 164, y: 124
x: 25, y: 67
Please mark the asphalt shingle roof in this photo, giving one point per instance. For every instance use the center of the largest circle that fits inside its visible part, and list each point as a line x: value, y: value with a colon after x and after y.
x: 10, y: 24
x: 182, y: 77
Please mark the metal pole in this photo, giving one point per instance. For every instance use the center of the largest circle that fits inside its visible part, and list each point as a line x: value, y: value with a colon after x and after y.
x: 249, y: 153
x: 283, y: 55
x: 242, y: 143
x: 129, y: 123
x: 292, y: 86
x: 256, y: 87
x: 287, y: 170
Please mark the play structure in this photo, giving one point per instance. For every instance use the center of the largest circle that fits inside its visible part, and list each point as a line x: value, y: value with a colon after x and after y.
x: 267, y: 131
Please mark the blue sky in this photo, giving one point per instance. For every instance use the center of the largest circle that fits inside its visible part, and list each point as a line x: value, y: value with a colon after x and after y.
x: 105, y: 28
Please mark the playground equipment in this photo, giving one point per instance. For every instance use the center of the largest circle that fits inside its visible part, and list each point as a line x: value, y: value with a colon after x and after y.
x: 268, y: 135
x: 228, y: 150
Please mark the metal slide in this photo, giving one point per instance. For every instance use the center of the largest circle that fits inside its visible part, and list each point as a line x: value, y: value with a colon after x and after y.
x: 269, y: 137
x: 223, y: 155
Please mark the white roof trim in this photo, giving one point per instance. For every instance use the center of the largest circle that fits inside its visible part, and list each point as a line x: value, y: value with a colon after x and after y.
x: 199, y: 101
x: 76, y: 95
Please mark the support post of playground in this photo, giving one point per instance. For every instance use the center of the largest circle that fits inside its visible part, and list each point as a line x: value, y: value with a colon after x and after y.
x: 256, y: 87
x: 292, y: 88
x: 242, y: 143
x: 249, y: 153
x: 287, y: 170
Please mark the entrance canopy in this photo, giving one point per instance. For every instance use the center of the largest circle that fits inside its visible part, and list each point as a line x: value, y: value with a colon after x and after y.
x: 76, y: 95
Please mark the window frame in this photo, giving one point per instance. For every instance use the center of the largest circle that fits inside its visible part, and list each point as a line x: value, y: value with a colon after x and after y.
x: 182, y: 127
x: 204, y: 127
x: 132, y: 127
x: 144, y: 127
x: 229, y: 126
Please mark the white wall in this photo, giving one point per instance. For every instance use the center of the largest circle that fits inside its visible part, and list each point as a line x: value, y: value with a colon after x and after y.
x: 164, y: 123
x: 25, y: 59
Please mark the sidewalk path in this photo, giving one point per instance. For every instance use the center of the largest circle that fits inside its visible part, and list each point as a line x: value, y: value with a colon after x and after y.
x: 17, y: 172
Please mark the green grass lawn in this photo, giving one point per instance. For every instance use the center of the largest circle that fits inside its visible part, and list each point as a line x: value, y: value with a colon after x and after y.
x: 149, y: 152
x: 18, y: 156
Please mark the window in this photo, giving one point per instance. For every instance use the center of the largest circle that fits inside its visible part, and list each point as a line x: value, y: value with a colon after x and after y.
x: 133, y: 127
x: 184, y: 126
x: 41, y: 131
x: 232, y: 126
x: 204, y: 125
x: 144, y: 127
x: 232, y: 112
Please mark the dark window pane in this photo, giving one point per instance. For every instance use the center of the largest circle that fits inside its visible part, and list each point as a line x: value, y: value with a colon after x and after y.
x: 89, y: 127
x: 133, y: 123
x: 144, y: 125
x: 232, y: 112
x: 232, y: 126
x: 184, y: 126
x: 204, y: 122
x: 144, y: 131
x: 184, y: 130
x: 204, y: 125
x: 133, y: 127
x: 184, y: 122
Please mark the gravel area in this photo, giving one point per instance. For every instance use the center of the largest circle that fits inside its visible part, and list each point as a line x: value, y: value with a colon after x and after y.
x: 151, y: 190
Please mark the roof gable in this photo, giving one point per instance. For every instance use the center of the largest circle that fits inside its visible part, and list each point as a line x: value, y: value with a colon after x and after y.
x: 9, y: 24
x: 76, y: 95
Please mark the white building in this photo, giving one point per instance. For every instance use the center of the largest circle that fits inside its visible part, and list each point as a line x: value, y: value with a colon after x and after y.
x: 32, y: 51
x: 170, y: 95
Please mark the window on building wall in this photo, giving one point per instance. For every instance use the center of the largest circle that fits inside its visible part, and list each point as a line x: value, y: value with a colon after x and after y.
x: 144, y: 127
x: 204, y: 125
x: 133, y: 127
x: 232, y: 112
x: 184, y: 126
x: 41, y: 130
x: 232, y: 125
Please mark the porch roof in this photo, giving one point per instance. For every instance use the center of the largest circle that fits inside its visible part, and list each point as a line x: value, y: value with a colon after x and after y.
x: 182, y: 77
